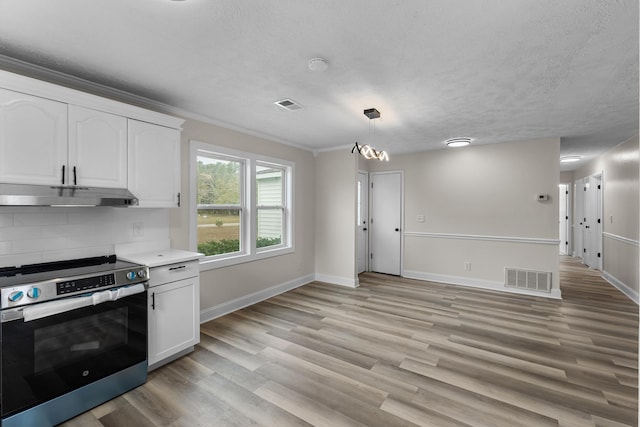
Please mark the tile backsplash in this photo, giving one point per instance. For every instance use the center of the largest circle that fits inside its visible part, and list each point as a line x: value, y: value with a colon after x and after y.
x: 40, y: 234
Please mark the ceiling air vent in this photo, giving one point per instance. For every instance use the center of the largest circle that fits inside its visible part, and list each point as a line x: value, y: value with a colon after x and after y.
x: 288, y: 104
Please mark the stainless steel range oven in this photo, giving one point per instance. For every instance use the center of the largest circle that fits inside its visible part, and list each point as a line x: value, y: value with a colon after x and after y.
x: 73, y: 335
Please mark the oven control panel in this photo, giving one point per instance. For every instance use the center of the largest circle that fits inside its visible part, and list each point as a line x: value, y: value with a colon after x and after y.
x: 54, y: 289
x: 86, y: 284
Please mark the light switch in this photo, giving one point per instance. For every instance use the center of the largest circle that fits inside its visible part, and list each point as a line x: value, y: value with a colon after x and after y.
x: 420, y: 218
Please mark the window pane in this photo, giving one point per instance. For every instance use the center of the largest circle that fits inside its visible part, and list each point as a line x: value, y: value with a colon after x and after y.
x: 218, y: 231
x: 218, y: 181
x: 268, y: 186
x: 269, y: 224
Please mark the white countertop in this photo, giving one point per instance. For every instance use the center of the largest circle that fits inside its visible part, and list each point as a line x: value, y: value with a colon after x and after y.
x: 161, y: 257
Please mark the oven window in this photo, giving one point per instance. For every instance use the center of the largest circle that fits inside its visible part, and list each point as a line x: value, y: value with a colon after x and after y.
x: 67, y: 342
x: 48, y: 357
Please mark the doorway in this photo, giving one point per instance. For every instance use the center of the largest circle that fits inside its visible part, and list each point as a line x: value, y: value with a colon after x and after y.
x: 385, y: 222
x: 362, y: 222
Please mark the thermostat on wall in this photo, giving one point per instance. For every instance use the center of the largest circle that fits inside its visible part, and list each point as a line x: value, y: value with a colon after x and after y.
x: 542, y: 197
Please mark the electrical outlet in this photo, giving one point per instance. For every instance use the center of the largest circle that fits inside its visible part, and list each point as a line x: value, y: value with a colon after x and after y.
x: 467, y: 266
x: 420, y: 218
x: 138, y: 229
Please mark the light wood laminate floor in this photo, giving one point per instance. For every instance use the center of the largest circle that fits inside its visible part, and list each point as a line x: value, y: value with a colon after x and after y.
x: 397, y: 352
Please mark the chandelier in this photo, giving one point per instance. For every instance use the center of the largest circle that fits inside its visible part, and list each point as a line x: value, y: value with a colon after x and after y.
x: 366, y: 150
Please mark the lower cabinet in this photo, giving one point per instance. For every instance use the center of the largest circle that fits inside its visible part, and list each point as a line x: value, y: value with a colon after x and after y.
x: 174, y: 324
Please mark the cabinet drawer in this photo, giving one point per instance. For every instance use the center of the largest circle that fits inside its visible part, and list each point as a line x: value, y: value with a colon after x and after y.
x: 173, y: 272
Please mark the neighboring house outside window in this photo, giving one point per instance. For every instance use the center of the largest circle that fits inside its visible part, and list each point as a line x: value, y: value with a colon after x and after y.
x: 241, y: 205
x: 269, y: 204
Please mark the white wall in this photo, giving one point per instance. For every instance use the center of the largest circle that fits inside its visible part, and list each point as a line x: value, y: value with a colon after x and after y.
x: 41, y: 234
x: 480, y: 207
x: 620, y: 175
x: 335, y: 226
x: 228, y: 288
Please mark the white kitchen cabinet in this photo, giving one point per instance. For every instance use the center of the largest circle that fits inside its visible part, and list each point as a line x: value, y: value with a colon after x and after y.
x: 97, y: 148
x: 33, y: 139
x: 174, y: 310
x: 51, y: 143
x: 46, y: 130
x: 154, y: 164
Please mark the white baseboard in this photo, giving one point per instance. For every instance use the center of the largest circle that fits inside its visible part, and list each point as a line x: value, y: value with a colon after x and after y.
x: 622, y: 287
x: 336, y: 280
x: 478, y: 283
x: 247, y: 300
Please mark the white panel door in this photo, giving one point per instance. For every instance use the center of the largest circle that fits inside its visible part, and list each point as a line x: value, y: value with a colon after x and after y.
x: 563, y: 221
x: 578, y: 219
x: 592, y: 235
x: 386, y: 222
x: 362, y: 222
x: 33, y: 139
x: 97, y: 148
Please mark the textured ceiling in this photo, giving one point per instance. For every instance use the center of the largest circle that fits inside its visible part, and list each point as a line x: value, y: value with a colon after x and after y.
x: 492, y: 70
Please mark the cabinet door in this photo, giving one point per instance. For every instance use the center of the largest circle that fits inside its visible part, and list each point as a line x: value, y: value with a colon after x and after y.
x: 174, y: 318
x: 154, y: 164
x: 97, y: 148
x: 33, y: 139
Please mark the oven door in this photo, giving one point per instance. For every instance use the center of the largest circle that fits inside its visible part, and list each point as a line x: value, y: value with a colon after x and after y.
x: 53, y: 355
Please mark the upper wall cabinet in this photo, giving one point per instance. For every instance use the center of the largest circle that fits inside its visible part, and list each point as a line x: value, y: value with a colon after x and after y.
x: 154, y: 164
x: 51, y: 143
x: 33, y: 139
x: 53, y: 135
x: 97, y: 148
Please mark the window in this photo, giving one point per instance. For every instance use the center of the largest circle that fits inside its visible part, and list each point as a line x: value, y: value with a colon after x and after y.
x: 269, y: 205
x: 240, y: 205
x: 220, y: 206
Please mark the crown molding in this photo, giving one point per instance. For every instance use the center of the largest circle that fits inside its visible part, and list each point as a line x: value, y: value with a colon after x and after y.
x: 72, y: 82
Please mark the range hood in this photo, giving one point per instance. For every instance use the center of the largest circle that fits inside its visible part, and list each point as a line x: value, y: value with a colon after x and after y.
x: 45, y: 195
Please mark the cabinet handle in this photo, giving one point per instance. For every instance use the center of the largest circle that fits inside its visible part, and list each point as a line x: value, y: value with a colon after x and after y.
x: 177, y: 268
x: 178, y: 199
x: 75, y: 178
x: 62, y: 174
x: 153, y: 301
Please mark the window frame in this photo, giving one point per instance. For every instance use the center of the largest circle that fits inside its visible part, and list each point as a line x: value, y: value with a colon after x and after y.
x: 248, y: 227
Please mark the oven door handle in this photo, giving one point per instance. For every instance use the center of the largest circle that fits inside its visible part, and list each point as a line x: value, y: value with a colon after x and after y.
x: 51, y: 308
x: 116, y: 294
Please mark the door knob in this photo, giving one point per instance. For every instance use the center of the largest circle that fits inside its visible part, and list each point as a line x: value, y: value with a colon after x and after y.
x: 397, y: 229
x: 364, y: 229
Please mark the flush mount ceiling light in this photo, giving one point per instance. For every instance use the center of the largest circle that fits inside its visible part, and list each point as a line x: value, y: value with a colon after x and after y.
x: 318, y: 64
x: 367, y: 151
x: 569, y: 159
x: 458, y: 142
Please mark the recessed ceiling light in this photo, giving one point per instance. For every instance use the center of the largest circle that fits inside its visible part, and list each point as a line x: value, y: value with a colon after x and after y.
x: 569, y: 159
x: 458, y: 142
x: 318, y: 64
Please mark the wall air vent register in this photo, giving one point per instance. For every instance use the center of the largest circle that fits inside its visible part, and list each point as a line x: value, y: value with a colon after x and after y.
x: 528, y: 279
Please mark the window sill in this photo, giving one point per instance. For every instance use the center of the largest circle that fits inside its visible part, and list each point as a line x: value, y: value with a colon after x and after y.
x: 212, y: 264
